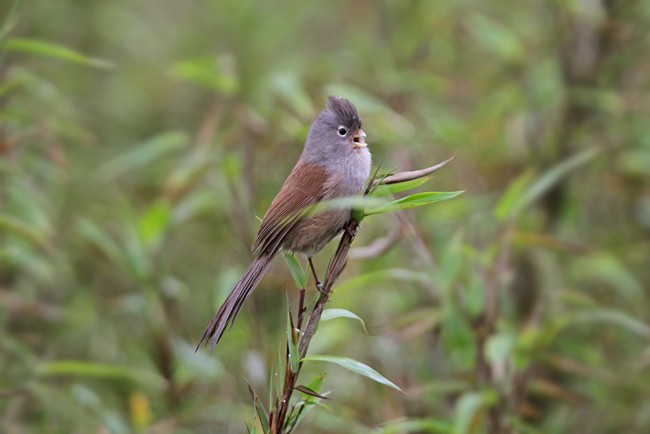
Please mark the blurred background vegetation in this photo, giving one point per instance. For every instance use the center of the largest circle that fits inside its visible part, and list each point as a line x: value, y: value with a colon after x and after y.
x: 140, y: 139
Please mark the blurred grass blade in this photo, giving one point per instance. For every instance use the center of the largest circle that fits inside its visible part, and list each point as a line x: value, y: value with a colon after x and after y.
x: 617, y: 317
x: 496, y: 38
x: 413, y: 201
x: 214, y: 73
x: 329, y: 314
x: 20, y: 229
x: 288, y: 87
x: 297, y: 272
x: 469, y: 411
x: 84, y: 369
x: 10, y: 20
x: 545, y: 182
x: 144, y: 154
x: 354, y: 202
x: 48, y: 49
x: 406, y: 425
x: 98, y: 237
x: 153, y: 224
x: 354, y: 366
x: 383, y: 190
x: 505, y: 207
x: 399, y: 274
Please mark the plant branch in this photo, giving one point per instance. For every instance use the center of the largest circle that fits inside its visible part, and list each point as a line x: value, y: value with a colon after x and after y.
x: 280, y: 415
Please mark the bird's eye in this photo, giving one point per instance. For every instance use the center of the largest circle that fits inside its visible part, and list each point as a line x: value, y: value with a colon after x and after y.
x: 342, y: 131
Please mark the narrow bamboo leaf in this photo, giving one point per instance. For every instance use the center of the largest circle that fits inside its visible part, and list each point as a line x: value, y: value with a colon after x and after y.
x: 309, y: 404
x: 293, y: 344
x: 262, y: 415
x: 272, y: 391
x: 406, y: 425
x: 613, y: 316
x: 354, y: 202
x: 48, y: 49
x: 20, y: 229
x: 297, y: 272
x: 390, y: 189
x: 292, y: 90
x: 143, y: 154
x: 468, y: 409
x: 354, y: 366
x: 329, y: 314
x: 215, y: 73
x: 506, y: 205
x: 307, y: 391
x: 550, y: 178
x: 496, y: 38
x: 399, y: 274
x: 316, y: 383
x: 153, y: 224
x: 10, y: 20
x: 100, y: 240
x: 415, y: 200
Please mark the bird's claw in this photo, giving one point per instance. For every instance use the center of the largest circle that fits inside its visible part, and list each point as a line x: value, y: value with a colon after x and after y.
x: 352, y: 230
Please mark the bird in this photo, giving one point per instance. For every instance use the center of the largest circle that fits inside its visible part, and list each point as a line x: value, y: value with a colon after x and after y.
x: 335, y: 162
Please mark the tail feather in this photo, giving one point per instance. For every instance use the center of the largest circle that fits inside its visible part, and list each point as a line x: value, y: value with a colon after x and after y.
x: 235, y: 300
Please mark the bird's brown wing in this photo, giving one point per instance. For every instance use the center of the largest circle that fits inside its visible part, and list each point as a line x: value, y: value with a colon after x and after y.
x: 304, y: 187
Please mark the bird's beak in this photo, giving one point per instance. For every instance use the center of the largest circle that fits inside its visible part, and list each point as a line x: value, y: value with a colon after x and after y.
x: 360, y: 139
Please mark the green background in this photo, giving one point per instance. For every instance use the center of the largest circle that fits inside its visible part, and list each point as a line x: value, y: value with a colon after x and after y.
x: 140, y: 139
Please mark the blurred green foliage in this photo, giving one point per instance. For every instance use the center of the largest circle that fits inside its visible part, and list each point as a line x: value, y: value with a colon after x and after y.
x: 139, y: 140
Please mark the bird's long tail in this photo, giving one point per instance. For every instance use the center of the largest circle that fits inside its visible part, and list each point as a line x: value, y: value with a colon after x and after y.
x: 235, y: 300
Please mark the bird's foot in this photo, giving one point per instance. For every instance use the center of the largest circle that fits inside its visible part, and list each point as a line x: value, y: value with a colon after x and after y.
x: 352, y: 230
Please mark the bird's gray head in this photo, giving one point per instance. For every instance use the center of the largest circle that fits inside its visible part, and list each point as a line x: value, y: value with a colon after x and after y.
x: 336, y: 134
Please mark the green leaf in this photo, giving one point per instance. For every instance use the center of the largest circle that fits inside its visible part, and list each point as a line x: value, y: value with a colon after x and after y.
x: 399, y: 274
x: 293, y: 344
x: 48, y: 49
x: 496, y: 38
x: 10, y: 20
x: 613, y: 316
x: 154, y: 222
x: 260, y: 411
x: 354, y: 202
x: 469, y: 408
x: 407, y: 425
x: 414, y: 200
x: 309, y: 392
x: 390, y: 189
x: 297, y: 272
x: 20, y: 229
x: 354, y: 366
x: 79, y: 368
x: 99, y: 239
x: 310, y: 401
x: 215, y: 73
x: 144, y: 154
x: 506, y: 205
x: 292, y: 90
x: 499, y: 348
x: 544, y: 183
x: 329, y: 314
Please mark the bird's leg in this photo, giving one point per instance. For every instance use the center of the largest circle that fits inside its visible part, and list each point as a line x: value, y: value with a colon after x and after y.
x: 319, y: 285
